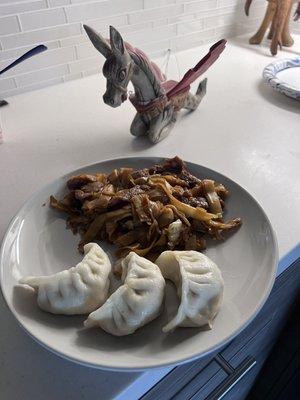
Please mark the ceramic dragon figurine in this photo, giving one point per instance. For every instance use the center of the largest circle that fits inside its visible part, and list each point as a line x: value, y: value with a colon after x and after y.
x: 278, y: 16
x: 156, y: 100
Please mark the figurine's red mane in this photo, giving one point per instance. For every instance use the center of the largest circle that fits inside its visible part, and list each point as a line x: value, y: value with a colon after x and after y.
x: 160, y: 76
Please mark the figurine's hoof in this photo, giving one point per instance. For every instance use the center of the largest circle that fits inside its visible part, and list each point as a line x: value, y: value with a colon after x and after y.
x: 161, y: 136
x: 254, y: 40
x: 288, y: 42
x: 274, y: 51
x: 138, y: 133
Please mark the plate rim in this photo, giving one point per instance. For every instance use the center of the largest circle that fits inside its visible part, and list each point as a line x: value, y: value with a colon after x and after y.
x: 125, y: 368
x: 270, y: 76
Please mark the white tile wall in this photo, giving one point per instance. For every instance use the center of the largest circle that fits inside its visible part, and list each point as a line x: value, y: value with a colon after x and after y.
x: 157, y: 3
x: 42, y: 75
x: 152, y: 14
x: 15, y: 8
x: 195, y: 6
x: 57, y: 3
x: 191, y: 40
x: 90, y: 10
x: 86, y: 64
x: 39, y: 36
x: 7, y: 84
x: 9, y: 25
x: 71, y: 77
x: 153, y: 25
x: 40, y: 19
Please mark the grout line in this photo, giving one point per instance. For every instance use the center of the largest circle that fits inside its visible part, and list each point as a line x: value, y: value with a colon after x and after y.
x: 15, y: 82
x: 76, y: 52
x: 19, y: 22
x: 65, y: 14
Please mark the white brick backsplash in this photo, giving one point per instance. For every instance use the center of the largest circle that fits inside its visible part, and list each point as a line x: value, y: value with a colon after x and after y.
x: 9, y: 25
x: 7, y: 84
x: 220, y: 20
x: 157, y: 3
x: 155, y: 13
x: 92, y: 71
x: 57, y: 3
x: 72, y: 77
x: 136, y: 27
x: 182, y: 18
x: 103, y: 24
x: 12, y: 8
x: 158, y: 53
x: 152, y: 25
x: 43, y: 60
x: 160, y: 22
x: 42, y: 75
x: 295, y: 26
x: 86, y: 64
x: 256, y: 11
x: 105, y: 8
x: 225, y: 32
x: 84, y: 1
x: 86, y: 50
x: 191, y: 40
x: 73, y: 40
x: 162, y: 46
x: 250, y: 26
x: 150, y: 35
x: 12, y: 1
x: 219, y: 11
x: 225, y: 3
x: 200, y: 6
x: 188, y: 27
x: 15, y: 53
x: 41, y: 19
x: 40, y: 36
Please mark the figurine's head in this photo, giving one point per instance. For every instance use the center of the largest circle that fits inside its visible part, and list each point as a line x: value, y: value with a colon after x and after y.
x: 117, y: 68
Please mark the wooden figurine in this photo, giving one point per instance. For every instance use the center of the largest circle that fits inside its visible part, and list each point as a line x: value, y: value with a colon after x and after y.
x: 156, y: 100
x: 278, y: 17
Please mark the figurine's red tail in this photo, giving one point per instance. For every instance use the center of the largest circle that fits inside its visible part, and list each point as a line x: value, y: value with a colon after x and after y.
x: 194, y: 73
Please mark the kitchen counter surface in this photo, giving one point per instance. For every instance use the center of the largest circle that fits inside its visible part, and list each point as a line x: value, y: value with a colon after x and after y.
x: 242, y: 129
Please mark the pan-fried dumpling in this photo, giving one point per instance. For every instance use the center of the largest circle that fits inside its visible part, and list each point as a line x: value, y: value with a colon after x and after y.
x: 77, y: 290
x: 135, y: 303
x: 199, y: 286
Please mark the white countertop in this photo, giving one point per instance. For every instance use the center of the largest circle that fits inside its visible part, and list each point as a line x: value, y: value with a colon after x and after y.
x: 242, y: 129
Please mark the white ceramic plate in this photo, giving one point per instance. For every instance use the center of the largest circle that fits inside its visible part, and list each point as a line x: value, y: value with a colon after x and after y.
x: 37, y: 243
x: 284, y: 76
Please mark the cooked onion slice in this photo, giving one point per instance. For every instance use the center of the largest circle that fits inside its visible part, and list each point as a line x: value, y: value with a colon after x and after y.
x: 212, y: 196
x: 197, y: 213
